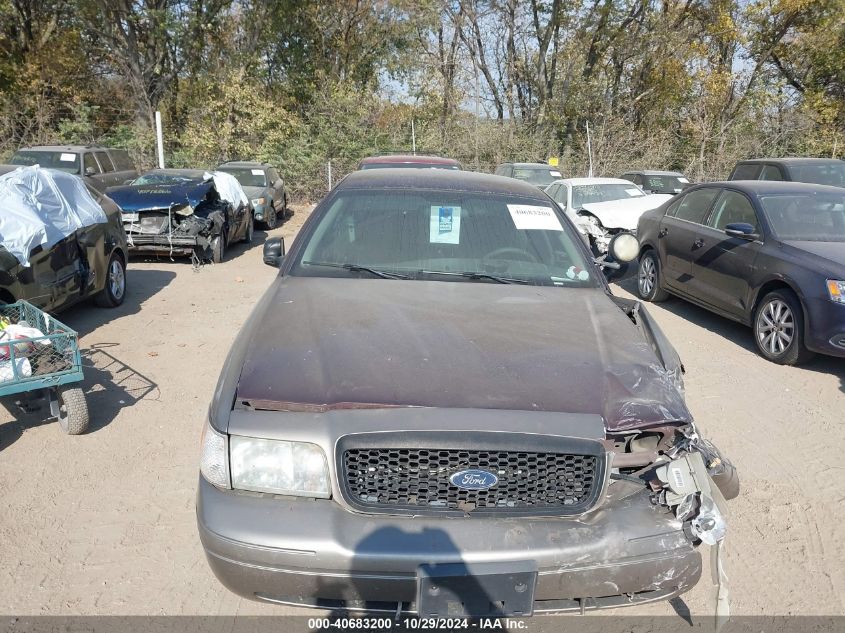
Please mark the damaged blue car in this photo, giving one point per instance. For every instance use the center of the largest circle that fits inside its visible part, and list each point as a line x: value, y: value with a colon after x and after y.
x: 185, y: 212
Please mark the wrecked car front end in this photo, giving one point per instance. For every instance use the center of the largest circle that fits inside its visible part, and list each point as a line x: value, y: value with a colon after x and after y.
x: 591, y: 509
x: 181, y: 219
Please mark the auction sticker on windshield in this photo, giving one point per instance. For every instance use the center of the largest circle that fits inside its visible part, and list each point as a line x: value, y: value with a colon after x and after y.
x: 527, y: 217
x: 68, y: 158
x: 445, y: 226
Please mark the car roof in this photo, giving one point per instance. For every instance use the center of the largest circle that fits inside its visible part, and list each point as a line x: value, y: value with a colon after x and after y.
x: 408, y: 158
x: 243, y: 163
x: 769, y: 187
x: 794, y: 160
x: 64, y: 148
x: 191, y: 173
x: 533, y: 166
x: 593, y: 181
x: 439, y: 179
x: 653, y: 172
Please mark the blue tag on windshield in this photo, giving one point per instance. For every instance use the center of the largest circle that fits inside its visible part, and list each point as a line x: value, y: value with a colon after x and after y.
x: 445, y: 220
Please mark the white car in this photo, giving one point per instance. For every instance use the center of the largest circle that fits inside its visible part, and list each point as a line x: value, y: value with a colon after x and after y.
x: 603, y: 207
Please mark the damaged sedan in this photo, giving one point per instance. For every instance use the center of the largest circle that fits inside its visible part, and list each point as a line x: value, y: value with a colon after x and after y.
x: 61, y: 241
x: 439, y: 408
x: 603, y: 207
x: 185, y: 212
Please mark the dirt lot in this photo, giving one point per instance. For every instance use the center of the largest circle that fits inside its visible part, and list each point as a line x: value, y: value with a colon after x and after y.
x: 104, y: 523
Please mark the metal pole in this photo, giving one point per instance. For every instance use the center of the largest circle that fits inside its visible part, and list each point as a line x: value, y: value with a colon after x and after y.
x: 159, y: 141
x: 330, y: 175
x: 589, y: 151
x: 413, y: 138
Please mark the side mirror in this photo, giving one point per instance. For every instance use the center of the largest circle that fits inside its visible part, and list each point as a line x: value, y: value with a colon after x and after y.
x: 742, y: 230
x: 624, y: 247
x: 90, y: 171
x: 274, y: 251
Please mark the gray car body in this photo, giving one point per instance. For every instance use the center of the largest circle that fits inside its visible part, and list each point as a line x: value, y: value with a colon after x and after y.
x: 99, y: 166
x: 468, y: 363
x: 274, y: 193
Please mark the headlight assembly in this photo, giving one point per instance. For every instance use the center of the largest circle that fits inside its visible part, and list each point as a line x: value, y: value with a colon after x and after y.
x: 836, y: 290
x: 279, y: 467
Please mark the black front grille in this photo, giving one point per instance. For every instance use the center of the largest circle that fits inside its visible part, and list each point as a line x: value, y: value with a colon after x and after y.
x: 382, y: 479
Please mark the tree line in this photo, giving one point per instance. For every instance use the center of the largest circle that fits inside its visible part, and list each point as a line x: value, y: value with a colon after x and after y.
x: 683, y: 84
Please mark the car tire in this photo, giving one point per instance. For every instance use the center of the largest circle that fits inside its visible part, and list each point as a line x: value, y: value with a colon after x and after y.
x: 779, y: 329
x: 114, y: 292
x: 218, y: 248
x: 73, y: 410
x: 250, y: 230
x: 648, y: 278
x: 270, y: 222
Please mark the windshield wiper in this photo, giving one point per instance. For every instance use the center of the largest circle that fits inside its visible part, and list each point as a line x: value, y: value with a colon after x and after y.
x: 355, y: 268
x: 476, y: 275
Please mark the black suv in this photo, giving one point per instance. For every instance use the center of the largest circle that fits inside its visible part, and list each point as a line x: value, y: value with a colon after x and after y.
x: 103, y: 167
x: 817, y: 171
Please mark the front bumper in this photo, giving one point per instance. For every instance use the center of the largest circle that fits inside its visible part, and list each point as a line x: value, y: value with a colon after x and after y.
x: 825, y: 328
x: 178, y: 244
x: 317, y: 553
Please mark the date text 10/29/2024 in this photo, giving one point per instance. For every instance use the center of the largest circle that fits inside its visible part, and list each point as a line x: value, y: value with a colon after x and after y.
x: 416, y: 623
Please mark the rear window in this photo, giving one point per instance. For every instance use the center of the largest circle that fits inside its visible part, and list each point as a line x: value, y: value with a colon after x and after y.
x: 63, y: 161
x: 536, y: 175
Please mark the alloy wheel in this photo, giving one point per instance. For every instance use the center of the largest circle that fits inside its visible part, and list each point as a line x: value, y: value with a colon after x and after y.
x: 776, y: 327
x: 647, y: 276
x: 117, y: 279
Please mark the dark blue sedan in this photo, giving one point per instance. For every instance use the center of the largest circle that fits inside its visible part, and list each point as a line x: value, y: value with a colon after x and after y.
x: 768, y: 254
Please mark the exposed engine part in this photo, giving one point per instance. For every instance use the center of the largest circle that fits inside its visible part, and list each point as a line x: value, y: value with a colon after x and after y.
x: 599, y: 237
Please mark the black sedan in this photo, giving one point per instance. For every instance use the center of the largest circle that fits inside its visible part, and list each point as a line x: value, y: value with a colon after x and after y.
x: 767, y: 254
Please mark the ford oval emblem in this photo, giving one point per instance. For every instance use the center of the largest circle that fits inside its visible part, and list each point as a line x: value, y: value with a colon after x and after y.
x: 474, y: 479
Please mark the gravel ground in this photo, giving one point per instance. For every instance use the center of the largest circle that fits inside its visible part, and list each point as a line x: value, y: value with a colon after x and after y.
x: 104, y: 523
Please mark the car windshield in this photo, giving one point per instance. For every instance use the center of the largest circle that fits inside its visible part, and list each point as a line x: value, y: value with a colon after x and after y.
x: 540, y: 176
x: 409, y: 166
x: 159, y: 178
x: 816, y: 217
x: 832, y: 173
x: 248, y: 176
x: 590, y: 194
x: 63, y: 161
x: 665, y: 184
x: 444, y: 236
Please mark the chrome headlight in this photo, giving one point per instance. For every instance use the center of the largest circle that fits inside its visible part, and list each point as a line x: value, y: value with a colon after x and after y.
x: 258, y: 201
x: 279, y: 467
x: 836, y: 290
x: 214, y: 461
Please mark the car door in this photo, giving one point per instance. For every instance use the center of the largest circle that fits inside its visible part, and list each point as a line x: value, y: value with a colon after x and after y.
x: 107, y: 169
x: 92, y: 171
x: 723, y: 265
x: 679, y: 232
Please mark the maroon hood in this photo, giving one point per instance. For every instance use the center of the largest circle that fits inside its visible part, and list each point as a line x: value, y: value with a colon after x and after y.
x: 364, y: 342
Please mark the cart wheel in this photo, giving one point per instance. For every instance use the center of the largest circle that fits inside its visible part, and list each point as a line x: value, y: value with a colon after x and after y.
x: 73, y: 410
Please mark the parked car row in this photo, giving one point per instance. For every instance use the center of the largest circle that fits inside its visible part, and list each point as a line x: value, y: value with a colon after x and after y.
x: 178, y: 211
